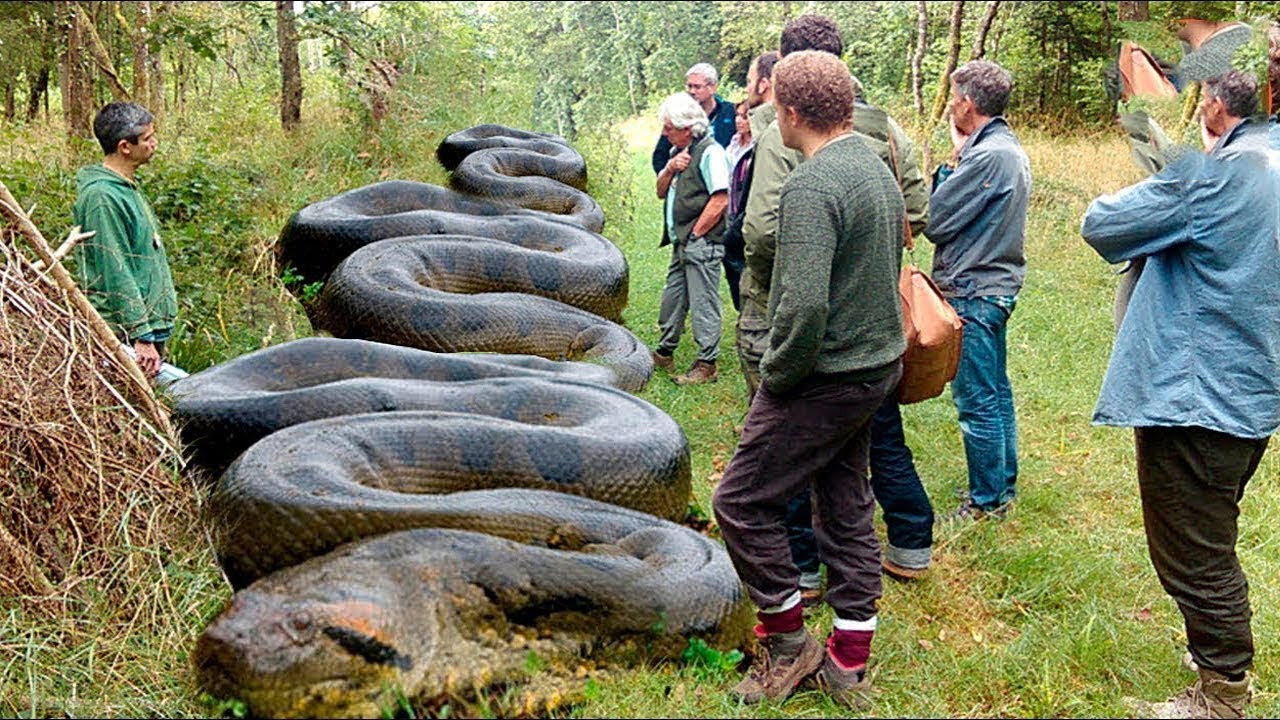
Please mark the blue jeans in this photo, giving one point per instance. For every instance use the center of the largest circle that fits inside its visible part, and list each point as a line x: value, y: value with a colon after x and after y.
x: 908, y: 514
x: 984, y: 401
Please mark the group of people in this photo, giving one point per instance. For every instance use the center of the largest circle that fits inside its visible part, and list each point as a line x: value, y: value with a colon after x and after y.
x: 806, y: 195
x: 821, y: 192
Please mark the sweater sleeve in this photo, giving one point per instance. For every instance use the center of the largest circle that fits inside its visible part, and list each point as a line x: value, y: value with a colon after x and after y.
x: 807, y: 233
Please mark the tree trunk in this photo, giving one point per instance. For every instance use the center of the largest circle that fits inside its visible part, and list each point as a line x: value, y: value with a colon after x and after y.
x: 10, y: 101
x: 290, y: 70
x: 1133, y: 10
x: 1106, y: 25
x: 980, y: 43
x: 155, y: 66
x: 1273, y: 67
x: 39, y: 88
x: 101, y: 56
x: 141, y: 53
x: 953, y: 56
x: 77, y: 90
x: 922, y: 37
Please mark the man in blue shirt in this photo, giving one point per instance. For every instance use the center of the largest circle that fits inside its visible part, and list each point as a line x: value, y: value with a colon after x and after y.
x: 977, y: 220
x: 1196, y: 372
x: 700, y: 82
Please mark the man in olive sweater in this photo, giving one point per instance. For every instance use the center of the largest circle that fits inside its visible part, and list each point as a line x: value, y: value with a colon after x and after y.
x: 834, y: 354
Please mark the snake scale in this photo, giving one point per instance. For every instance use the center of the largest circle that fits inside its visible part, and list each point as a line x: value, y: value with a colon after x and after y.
x: 403, y: 522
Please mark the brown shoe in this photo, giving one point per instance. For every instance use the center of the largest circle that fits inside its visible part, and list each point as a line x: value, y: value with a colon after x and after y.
x: 902, y: 573
x: 810, y: 600
x: 1212, y: 696
x: 666, y: 362
x: 851, y: 688
x: 700, y: 372
x: 783, y: 662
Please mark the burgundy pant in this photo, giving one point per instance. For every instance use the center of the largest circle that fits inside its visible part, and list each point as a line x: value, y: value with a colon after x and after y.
x: 816, y: 435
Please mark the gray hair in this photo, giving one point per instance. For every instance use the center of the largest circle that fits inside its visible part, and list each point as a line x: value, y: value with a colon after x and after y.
x: 1237, y: 90
x: 706, y: 70
x: 986, y: 84
x: 682, y: 111
x: 120, y: 121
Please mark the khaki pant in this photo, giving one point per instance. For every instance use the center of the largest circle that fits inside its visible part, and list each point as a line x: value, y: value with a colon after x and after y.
x: 693, y: 288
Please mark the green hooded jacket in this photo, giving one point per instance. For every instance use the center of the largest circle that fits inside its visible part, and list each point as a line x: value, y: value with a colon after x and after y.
x: 123, y: 267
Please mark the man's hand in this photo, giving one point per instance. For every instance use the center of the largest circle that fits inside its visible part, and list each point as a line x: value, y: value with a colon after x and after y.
x: 679, y: 162
x: 1207, y: 136
x: 148, y: 358
x: 958, y: 138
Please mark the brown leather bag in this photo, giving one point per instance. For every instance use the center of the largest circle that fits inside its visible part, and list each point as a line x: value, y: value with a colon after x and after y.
x: 934, y: 333
x: 933, y: 329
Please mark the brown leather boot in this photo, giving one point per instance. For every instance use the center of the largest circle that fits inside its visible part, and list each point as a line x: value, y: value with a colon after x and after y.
x: 1212, y: 696
x: 666, y: 362
x: 700, y: 372
x: 784, y: 661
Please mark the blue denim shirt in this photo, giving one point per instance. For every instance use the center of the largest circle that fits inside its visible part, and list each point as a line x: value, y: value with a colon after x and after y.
x: 978, y: 216
x: 1200, y: 343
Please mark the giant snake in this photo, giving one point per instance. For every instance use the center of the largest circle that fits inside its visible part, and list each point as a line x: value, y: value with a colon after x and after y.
x: 402, y: 522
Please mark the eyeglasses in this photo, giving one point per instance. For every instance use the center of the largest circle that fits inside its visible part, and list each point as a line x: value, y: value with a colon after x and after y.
x: 695, y: 86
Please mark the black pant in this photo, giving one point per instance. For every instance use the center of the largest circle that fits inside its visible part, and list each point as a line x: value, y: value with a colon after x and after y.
x: 1191, y: 480
x: 817, y: 436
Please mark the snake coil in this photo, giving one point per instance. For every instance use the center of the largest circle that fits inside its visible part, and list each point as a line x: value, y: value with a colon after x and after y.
x: 400, y: 520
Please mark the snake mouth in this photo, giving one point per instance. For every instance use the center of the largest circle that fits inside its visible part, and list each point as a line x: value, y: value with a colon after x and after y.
x: 367, y: 647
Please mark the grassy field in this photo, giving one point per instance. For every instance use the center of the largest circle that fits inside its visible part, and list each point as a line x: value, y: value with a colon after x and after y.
x: 1053, y: 612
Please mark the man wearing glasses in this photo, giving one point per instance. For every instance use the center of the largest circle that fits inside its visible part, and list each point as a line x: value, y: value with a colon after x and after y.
x: 700, y: 82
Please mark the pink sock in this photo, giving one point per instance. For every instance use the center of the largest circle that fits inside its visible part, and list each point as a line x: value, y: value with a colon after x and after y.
x: 782, y: 622
x: 850, y: 648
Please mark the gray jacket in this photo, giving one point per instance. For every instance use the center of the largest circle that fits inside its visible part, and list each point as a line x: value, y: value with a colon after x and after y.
x: 978, y: 216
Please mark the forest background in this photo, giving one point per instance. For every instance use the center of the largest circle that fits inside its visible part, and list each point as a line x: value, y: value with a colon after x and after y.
x: 265, y: 107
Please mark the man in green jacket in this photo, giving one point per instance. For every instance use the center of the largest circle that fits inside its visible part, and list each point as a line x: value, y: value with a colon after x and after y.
x: 123, y: 267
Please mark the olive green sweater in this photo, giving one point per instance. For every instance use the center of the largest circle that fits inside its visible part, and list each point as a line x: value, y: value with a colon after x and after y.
x: 834, y: 306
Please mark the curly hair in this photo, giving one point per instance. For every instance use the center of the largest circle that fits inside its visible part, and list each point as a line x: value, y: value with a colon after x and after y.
x: 682, y: 111
x: 1238, y: 91
x: 811, y: 32
x: 818, y: 85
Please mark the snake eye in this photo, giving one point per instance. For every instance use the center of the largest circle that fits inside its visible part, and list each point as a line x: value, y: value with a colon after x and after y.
x: 297, y: 626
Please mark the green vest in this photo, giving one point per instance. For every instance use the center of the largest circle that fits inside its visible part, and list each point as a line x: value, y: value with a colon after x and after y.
x: 690, y: 198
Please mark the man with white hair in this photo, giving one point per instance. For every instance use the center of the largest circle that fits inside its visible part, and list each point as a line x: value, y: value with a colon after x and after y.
x: 700, y: 82
x: 695, y: 185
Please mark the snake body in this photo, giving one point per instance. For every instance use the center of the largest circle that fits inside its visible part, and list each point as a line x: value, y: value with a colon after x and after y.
x: 338, y: 452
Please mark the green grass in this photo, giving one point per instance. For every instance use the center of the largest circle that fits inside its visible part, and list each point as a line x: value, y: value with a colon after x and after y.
x: 1054, y: 611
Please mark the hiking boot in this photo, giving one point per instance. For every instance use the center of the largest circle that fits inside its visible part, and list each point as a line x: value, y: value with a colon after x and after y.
x: 700, y: 372
x: 902, y: 573
x: 851, y: 688
x: 1212, y: 696
x: 666, y: 362
x: 810, y: 599
x: 968, y: 513
x: 783, y: 662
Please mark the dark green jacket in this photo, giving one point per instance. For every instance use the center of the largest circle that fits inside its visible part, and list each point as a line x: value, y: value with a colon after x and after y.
x: 834, y: 306
x: 123, y: 267
x: 691, y: 198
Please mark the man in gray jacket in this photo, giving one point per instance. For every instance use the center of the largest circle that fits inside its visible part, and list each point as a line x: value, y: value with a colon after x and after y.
x: 977, y: 220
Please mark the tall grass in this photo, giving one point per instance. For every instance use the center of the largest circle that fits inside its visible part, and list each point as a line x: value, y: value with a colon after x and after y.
x: 1054, y: 611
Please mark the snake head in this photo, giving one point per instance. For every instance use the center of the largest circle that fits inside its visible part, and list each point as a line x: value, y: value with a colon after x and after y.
x: 286, y: 656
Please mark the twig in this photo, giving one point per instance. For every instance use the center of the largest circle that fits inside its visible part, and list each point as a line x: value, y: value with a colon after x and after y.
x: 73, y: 237
x: 22, y: 557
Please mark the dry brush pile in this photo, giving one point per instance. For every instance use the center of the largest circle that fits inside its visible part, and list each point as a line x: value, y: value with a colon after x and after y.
x: 91, y: 500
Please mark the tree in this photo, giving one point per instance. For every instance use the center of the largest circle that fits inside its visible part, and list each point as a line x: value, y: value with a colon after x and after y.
x: 1133, y: 10
x: 980, y: 42
x: 74, y: 80
x: 953, y: 57
x: 290, y: 67
x: 917, y: 57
